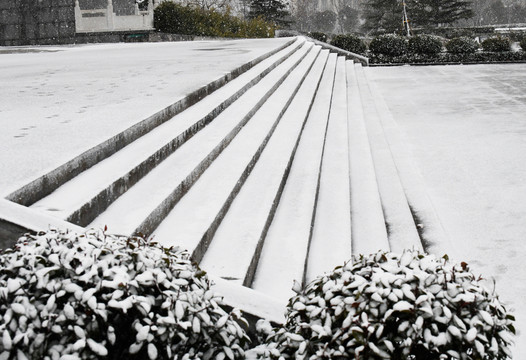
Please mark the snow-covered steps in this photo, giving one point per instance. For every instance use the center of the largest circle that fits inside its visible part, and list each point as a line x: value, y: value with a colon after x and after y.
x: 145, y: 206
x: 433, y: 237
x: 286, y: 247
x: 401, y: 229
x: 84, y: 197
x: 367, y: 217
x: 274, y: 128
x: 331, y: 240
x: 235, y: 252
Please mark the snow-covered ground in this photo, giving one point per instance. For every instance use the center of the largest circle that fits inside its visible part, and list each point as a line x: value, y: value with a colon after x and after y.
x: 56, y: 102
x: 466, y: 126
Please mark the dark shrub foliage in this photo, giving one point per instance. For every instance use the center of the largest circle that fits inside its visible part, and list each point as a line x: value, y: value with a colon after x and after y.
x: 389, y: 44
x: 496, y: 44
x: 461, y: 45
x: 318, y: 36
x: 174, y: 18
x: 425, y: 45
x: 95, y: 296
x: 522, y: 43
x: 350, y: 43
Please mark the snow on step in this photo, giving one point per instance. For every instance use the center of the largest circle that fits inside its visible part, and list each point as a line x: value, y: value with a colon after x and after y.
x: 146, y: 204
x: 239, y: 238
x: 401, y: 228
x: 331, y: 235
x: 368, y: 224
x: 91, y: 191
x: 434, y: 237
x: 277, y: 264
x: 192, y: 223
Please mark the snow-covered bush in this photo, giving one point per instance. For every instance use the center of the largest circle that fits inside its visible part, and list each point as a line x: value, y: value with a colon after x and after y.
x: 425, y: 45
x: 171, y: 17
x: 350, y: 43
x: 496, y: 44
x: 87, y: 296
x: 462, y: 45
x: 393, y: 306
x: 388, y: 44
x: 317, y: 35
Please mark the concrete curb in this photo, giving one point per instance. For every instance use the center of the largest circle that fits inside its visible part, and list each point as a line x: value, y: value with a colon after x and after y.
x: 16, y: 220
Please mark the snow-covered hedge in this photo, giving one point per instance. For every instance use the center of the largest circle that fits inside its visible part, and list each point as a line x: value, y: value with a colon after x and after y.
x: 317, y: 35
x: 425, y: 45
x: 496, y: 44
x: 87, y: 296
x: 388, y: 44
x: 350, y: 43
x: 461, y: 46
x: 389, y: 306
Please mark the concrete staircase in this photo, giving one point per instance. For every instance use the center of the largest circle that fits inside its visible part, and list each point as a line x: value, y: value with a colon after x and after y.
x: 279, y: 175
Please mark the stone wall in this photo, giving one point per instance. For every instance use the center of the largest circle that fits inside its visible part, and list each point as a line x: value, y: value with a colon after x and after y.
x: 28, y: 22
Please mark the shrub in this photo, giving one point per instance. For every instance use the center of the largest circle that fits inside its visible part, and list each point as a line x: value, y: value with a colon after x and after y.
x: 496, y: 44
x: 522, y: 43
x: 389, y: 306
x: 425, y: 45
x: 89, y: 296
x: 461, y: 45
x: 318, y: 36
x: 350, y: 43
x: 174, y: 18
x: 389, y: 44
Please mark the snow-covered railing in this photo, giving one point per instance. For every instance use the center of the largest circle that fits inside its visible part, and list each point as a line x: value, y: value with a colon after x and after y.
x: 101, y: 20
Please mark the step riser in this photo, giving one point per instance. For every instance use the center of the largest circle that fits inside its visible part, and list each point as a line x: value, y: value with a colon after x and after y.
x: 46, y: 184
x: 148, y: 226
x: 90, y: 210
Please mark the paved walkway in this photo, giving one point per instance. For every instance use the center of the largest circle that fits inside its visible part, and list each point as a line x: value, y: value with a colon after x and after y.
x: 56, y: 102
x: 467, y: 129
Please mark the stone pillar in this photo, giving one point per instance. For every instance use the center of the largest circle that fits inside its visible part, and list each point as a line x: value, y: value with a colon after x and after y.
x: 149, y: 17
x: 78, y: 16
x: 109, y: 15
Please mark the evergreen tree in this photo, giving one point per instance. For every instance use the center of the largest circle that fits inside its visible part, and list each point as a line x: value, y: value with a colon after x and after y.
x: 386, y: 15
x: 348, y: 19
x: 323, y: 21
x: 439, y: 12
x: 271, y: 10
x: 382, y: 16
